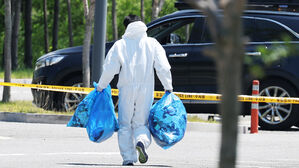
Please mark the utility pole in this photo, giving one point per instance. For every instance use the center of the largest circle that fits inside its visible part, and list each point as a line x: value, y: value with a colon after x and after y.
x: 98, y: 50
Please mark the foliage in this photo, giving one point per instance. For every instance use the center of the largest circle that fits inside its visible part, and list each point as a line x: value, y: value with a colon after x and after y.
x: 269, y: 56
x: 2, y: 30
x: 123, y: 8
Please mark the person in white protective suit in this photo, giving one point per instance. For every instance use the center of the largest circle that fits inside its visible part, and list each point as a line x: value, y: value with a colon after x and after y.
x: 134, y: 58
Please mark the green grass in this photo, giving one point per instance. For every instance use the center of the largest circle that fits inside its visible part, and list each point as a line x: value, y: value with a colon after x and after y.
x: 19, y: 73
x: 197, y: 119
x: 27, y: 107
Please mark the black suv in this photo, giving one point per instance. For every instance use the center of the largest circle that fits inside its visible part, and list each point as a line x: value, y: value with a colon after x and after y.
x: 184, y: 35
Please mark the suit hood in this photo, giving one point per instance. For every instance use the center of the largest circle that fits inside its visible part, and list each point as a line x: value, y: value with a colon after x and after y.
x: 135, y: 30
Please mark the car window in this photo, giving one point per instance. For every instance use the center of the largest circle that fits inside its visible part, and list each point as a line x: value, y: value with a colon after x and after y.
x: 271, y: 31
x: 248, y: 27
x: 173, y: 32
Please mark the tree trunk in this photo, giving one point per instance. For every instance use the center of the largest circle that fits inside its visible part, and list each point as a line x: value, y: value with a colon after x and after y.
x: 156, y: 8
x: 55, y: 25
x: 89, y: 17
x: 228, y: 53
x: 7, y: 50
x: 28, y: 34
x: 230, y: 71
x: 2, y: 65
x: 16, y: 10
x: 230, y: 86
x: 187, y: 32
x: 142, y: 10
x: 46, y: 39
x: 70, y: 27
x: 114, y: 20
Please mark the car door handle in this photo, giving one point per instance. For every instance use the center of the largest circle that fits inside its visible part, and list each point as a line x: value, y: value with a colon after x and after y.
x: 175, y: 55
x: 253, y: 53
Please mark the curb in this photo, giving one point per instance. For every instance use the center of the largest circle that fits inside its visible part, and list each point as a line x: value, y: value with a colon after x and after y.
x: 63, y: 119
x: 34, y: 118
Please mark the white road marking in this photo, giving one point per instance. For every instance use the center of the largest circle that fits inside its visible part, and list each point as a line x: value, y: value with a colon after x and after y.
x: 82, y: 153
x: 12, y: 154
x: 268, y: 161
x: 5, y: 138
x: 62, y: 153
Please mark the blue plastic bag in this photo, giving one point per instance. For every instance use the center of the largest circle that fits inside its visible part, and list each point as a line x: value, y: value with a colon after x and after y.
x: 102, y: 120
x: 168, y: 120
x: 81, y: 115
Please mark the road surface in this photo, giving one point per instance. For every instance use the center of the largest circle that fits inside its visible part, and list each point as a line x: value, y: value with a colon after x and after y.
x: 55, y: 145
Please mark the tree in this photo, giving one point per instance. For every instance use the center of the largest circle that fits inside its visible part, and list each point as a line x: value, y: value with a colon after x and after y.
x: 228, y: 53
x: 28, y: 34
x: 16, y: 10
x: 142, y: 10
x: 156, y: 8
x: 7, y: 50
x: 46, y: 44
x: 70, y: 27
x: 55, y: 25
x: 114, y: 20
x: 89, y: 17
x: 39, y: 29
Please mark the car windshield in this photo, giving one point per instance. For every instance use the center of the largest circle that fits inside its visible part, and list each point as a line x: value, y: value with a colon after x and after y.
x: 174, y: 31
x: 261, y: 30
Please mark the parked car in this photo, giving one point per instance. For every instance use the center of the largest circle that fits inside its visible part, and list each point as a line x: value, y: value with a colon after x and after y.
x: 184, y: 35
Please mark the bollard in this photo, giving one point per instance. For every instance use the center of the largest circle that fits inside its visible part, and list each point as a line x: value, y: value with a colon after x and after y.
x: 255, y: 108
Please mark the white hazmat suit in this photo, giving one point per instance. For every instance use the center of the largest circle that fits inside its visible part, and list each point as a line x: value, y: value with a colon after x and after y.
x: 134, y: 58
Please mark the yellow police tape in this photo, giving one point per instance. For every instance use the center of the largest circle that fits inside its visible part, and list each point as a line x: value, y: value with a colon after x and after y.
x: 159, y: 94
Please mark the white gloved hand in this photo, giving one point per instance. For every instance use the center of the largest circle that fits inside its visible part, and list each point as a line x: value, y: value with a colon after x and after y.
x: 99, y: 89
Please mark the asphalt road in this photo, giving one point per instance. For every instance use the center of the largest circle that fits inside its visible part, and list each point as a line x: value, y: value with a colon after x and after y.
x: 55, y: 145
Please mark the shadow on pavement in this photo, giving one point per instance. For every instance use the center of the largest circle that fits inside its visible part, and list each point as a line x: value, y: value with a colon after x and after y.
x: 292, y: 129
x: 107, y: 165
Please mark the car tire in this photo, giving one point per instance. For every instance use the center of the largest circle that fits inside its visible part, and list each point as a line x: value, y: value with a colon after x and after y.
x: 297, y: 124
x: 43, y: 99
x: 275, y: 116
x: 70, y: 101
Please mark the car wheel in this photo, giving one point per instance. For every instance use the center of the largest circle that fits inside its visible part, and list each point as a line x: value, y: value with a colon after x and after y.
x: 43, y: 98
x: 297, y: 124
x: 70, y: 101
x: 277, y: 116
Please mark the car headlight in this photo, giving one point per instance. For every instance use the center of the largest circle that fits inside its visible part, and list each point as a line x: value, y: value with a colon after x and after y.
x: 48, y: 61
